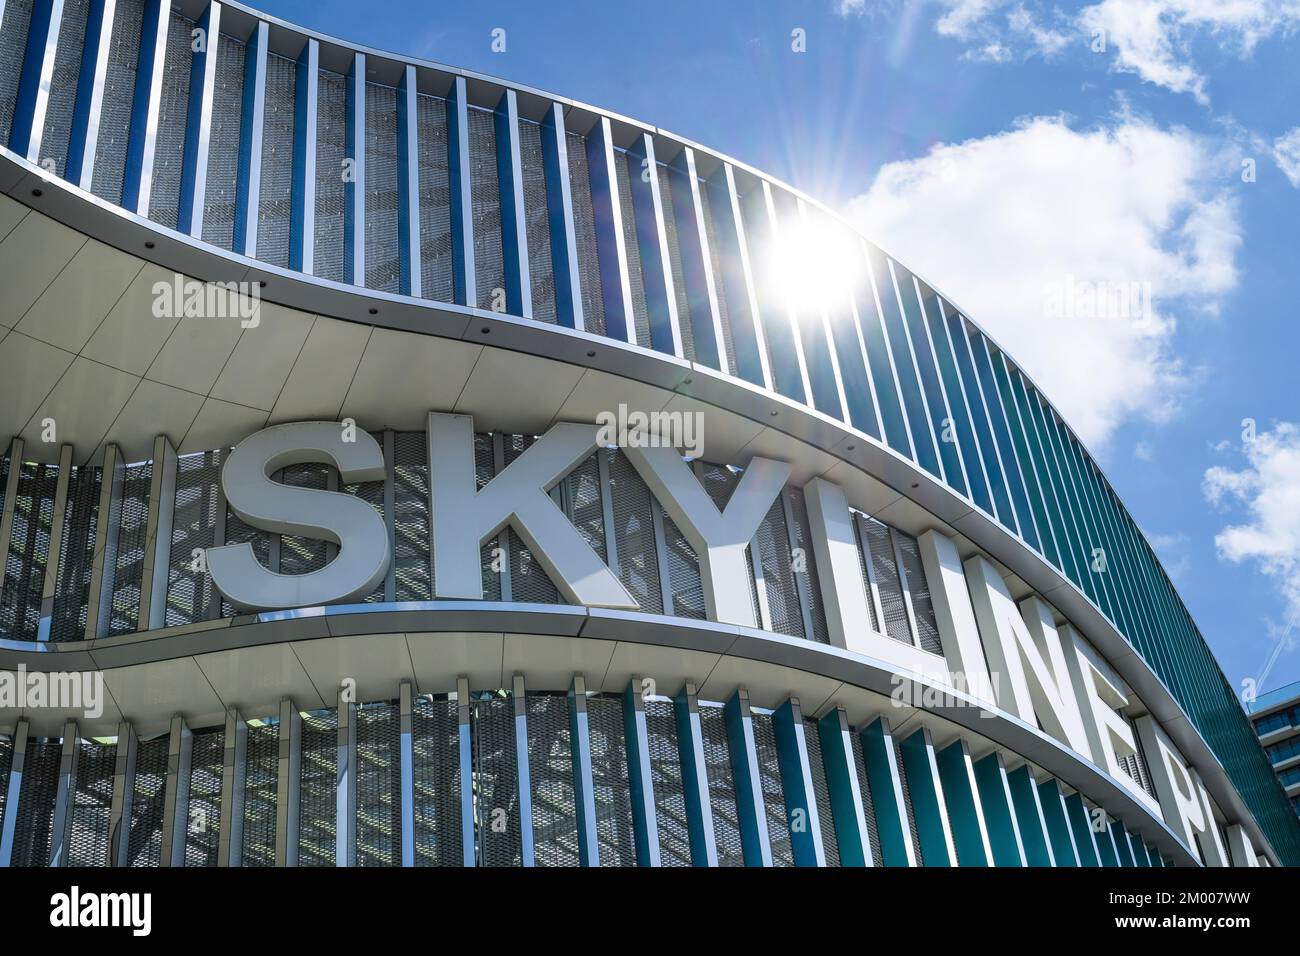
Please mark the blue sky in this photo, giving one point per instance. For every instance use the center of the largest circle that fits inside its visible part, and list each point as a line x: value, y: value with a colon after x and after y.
x: 1004, y: 151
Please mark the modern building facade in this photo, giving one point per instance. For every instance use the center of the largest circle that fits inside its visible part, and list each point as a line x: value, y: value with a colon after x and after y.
x: 317, y: 362
x: 1276, y: 718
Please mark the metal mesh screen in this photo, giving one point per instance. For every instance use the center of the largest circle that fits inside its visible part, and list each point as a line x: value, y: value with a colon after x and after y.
x: 331, y: 151
x: 436, y: 272
x: 864, y: 560
x: 529, y: 581
x: 92, y: 804
x: 239, y: 533
x: 411, y: 516
x: 868, y: 803
x: 261, y: 781
x: 17, y: 18
x: 203, y: 823
x: 541, y: 269
x: 491, y: 560
x: 907, y: 804
x: 173, y: 116
x: 485, y: 199
x: 77, y: 554
x: 299, y: 555
x: 610, y: 783
x: 581, y: 494
x: 36, y: 796
x: 634, y: 537
x: 275, y: 203
x: 919, y: 591
x: 382, y: 262
x: 550, y: 766
x: 821, y: 793
x: 372, y: 492
x: 640, y: 315
x: 674, y: 264
x: 379, y: 785
x: 435, y: 737
x: 722, y: 786
x: 684, y: 580
x: 115, y: 109
x: 29, y: 550
x: 223, y: 144
x: 769, y: 777
x: 128, y: 556
x: 666, y: 778
x: 148, y: 797
x: 317, y: 793
x: 190, y: 594
x: 884, y: 571
x: 584, y: 231
x: 805, y: 572
x: 63, y: 85
x: 496, y: 782
x: 6, y: 760
x: 719, y: 287
x: 771, y: 547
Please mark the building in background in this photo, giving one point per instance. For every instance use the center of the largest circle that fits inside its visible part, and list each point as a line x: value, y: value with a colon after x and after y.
x: 1276, y: 716
x: 430, y: 470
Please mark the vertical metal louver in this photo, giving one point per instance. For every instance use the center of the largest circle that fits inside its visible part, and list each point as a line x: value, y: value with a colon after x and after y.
x: 203, y: 823
x: 769, y: 777
x: 610, y: 783
x: 221, y: 196
x: 907, y: 803
x: 435, y: 738
x: 865, y: 569
x: 674, y: 264
x: 15, y: 21
x: 92, y: 804
x: 148, y: 796
x: 128, y: 555
x: 485, y: 200
x: 437, y: 280
x: 190, y: 594
x: 490, y: 555
x: 372, y: 493
x: 299, y: 555
x: 719, y: 286
x: 640, y: 313
x: 379, y: 785
x: 805, y: 573
x: 497, y: 826
x: 584, y: 231
x: 275, y: 203
x: 666, y: 779
x: 411, y: 517
x: 918, y: 590
x: 382, y: 256
x: 63, y: 86
x: 868, y: 803
x: 77, y: 554
x: 529, y: 582
x: 29, y: 550
x: 541, y: 269
x: 331, y: 154
x: 317, y: 793
x: 36, y: 796
x: 821, y: 793
x: 887, y: 585
x: 119, y: 95
x: 631, y: 505
x: 261, y: 782
x: 722, y: 786
x: 550, y: 767
x: 173, y: 117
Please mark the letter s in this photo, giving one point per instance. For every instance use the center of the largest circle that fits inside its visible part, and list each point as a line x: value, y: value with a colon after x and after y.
x: 347, y: 521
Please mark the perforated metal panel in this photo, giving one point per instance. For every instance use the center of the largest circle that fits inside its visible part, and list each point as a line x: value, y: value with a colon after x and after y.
x: 128, y: 556
x: 580, y: 492
x: 223, y: 144
x: 29, y: 550
x: 379, y: 785
x: 119, y: 93
x: 884, y: 570
x: 484, y: 471
x: 92, y: 804
x: 239, y: 533
x: 382, y: 264
x: 666, y: 776
x: 674, y: 264
x: 719, y: 287
x: 261, y: 779
x: 331, y: 151
x: 148, y: 796
x: 279, y: 118
x: 496, y: 782
x: 6, y: 761
x: 722, y: 786
x: 411, y: 516
x: 203, y: 824
x: 63, y: 85
x: 36, y: 796
x: 769, y: 777
x: 16, y: 21
x: 299, y: 555
x: 822, y: 793
x: 190, y: 594
x: 640, y: 316
x: 485, y: 196
x: 77, y: 554
x: 550, y: 766
x: 529, y: 582
x: 173, y: 116
x: 919, y: 591
x: 584, y: 230
x: 907, y: 805
x: 541, y: 270
x: 868, y: 803
x: 684, y: 582
x: 634, y: 538
x: 610, y: 783
x: 771, y: 547
x: 436, y: 261
x: 435, y: 737
x: 864, y: 560
x: 372, y: 492
x: 805, y: 572
x: 317, y: 794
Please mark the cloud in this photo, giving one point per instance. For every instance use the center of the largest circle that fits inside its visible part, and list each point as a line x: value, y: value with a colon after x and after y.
x: 1073, y: 248
x: 1267, y: 489
x: 1143, y: 451
x: 1286, y: 153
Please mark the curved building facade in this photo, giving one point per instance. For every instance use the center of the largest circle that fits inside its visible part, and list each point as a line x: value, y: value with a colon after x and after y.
x: 409, y: 468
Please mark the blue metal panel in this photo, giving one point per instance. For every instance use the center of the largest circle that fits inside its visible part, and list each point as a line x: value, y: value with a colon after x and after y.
x: 248, y: 193
x: 855, y: 369
x: 695, y: 782
x: 526, y: 847
x: 1061, y: 834
x: 84, y: 137
x: 354, y: 188
x: 198, y: 125
x: 406, y: 751
x: 796, y: 785
x: 1138, y: 849
x: 559, y: 217
x: 697, y: 262
x: 408, y: 187
x: 964, y: 801
x: 749, y: 792
x: 780, y: 323
x: 887, y: 795
x: 640, y: 775
x: 1085, y: 838
x: 1107, y: 852
x: 144, y: 108
x: 652, y: 241
x: 34, y: 80
x: 462, y: 205
x: 615, y: 283
x: 9, y: 824
x: 813, y: 325
x: 302, y: 228
x: 1123, y: 849
x: 1029, y: 818
x: 737, y: 279
x: 514, y: 229
x: 846, y: 797
x: 929, y: 808
x: 465, y: 758
x: 584, y: 790
x: 999, y: 811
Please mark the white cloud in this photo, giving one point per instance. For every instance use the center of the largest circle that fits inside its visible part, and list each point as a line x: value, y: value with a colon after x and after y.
x: 1268, y: 489
x: 1143, y: 451
x: 1035, y: 229
x: 1286, y: 153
